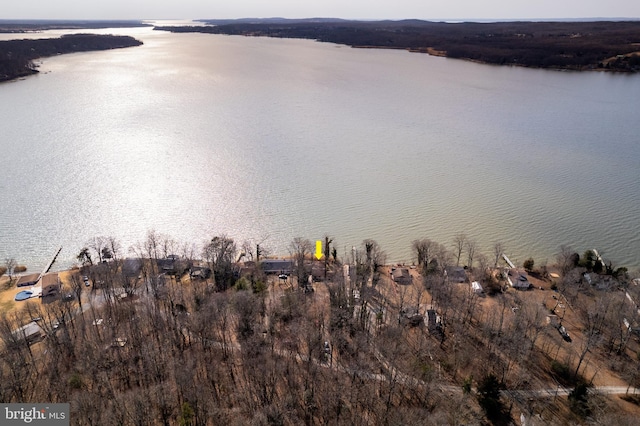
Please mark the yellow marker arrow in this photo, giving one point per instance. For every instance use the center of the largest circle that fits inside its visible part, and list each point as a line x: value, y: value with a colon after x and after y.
x: 318, y: 249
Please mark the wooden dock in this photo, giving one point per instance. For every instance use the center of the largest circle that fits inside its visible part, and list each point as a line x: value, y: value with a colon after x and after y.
x: 48, y: 267
x: 506, y: 259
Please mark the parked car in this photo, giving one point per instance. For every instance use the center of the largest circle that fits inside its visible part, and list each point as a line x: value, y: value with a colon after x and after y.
x: 564, y: 334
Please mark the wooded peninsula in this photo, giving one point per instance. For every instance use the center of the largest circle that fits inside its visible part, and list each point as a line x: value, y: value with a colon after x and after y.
x: 17, y: 56
x: 603, y: 45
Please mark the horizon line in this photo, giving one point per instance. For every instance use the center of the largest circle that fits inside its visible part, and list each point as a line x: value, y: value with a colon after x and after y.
x: 521, y: 19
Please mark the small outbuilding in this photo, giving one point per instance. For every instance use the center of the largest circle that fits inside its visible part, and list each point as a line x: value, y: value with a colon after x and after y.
x: 30, y: 332
x: 476, y: 287
x: 409, y: 316
x: 28, y: 280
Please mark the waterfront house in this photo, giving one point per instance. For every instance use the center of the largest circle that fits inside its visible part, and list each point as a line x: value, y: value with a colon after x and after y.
x: 172, y: 265
x: 517, y: 279
x: 199, y: 272
x: 277, y: 266
x: 401, y: 276
x: 50, y: 284
x: 455, y: 274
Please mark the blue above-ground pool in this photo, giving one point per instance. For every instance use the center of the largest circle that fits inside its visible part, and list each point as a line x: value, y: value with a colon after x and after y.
x: 23, y: 295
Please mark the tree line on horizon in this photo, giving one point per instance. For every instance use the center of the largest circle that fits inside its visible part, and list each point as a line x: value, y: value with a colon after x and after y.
x: 563, y: 45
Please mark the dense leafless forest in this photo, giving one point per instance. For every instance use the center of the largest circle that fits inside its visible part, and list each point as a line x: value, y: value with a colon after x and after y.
x: 17, y: 56
x: 175, y: 334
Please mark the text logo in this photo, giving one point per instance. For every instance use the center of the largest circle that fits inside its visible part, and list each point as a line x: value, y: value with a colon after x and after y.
x: 37, y: 414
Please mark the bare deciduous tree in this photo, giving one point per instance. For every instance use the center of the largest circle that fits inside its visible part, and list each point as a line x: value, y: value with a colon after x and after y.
x: 593, y: 314
x: 375, y: 256
x: 423, y: 250
x: 169, y: 246
x: 300, y: 250
x: 115, y: 248
x: 498, y: 250
x: 98, y: 244
x: 471, y: 251
x: 459, y: 244
x: 565, y: 258
x: 10, y: 264
x: 443, y: 256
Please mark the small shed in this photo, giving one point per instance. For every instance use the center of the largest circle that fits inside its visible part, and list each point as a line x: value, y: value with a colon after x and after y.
x: 476, y: 287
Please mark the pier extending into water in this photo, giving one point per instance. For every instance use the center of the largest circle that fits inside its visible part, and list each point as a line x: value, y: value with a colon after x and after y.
x: 49, y: 265
x: 506, y: 259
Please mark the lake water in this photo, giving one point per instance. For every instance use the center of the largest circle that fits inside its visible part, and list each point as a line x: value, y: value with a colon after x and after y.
x: 195, y: 135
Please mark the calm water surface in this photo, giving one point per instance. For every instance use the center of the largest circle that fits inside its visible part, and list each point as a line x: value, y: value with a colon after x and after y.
x: 195, y: 135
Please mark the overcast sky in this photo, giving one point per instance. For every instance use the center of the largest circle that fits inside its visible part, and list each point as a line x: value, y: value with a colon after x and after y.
x: 352, y: 9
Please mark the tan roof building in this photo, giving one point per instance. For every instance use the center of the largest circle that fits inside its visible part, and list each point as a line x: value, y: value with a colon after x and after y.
x: 401, y: 276
x: 28, y: 280
x: 50, y: 284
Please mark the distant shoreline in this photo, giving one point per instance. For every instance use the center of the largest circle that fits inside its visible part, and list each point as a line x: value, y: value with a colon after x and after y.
x: 576, y: 46
x: 17, y: 56
x: 31, y: 26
